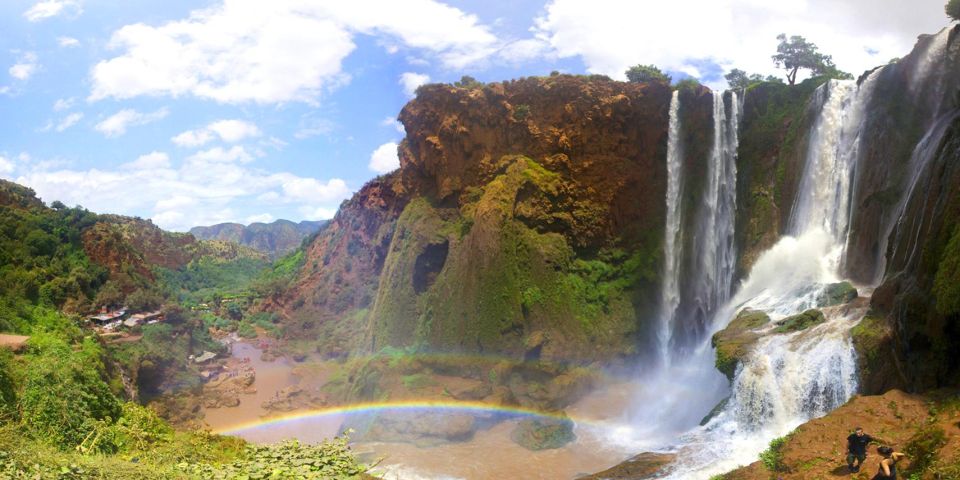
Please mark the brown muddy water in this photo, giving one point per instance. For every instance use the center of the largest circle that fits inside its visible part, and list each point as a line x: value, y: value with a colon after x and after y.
x: 489, y: 454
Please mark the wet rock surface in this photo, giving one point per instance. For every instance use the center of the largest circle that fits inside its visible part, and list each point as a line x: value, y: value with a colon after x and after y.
x: 641, y: 467
x: 736, y: 341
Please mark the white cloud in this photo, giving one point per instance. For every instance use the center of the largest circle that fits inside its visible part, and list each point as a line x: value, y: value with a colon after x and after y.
x: 151, y: 161
x: 51, y: 8
x: 68, y: 42
x: 117, y: 124
x: 411, y: 81
x: 384, y: 159
x: 63, y: 104
x: 392, y: 122
x: 200, y: 190
x: 310, y: 189
x: 243, y: 51
x: 219, y: 155
x: 606, y: 35
x: 312, y: 127
x: 25, y: 67
x: 6, y: 166
x: 230, y: 131
x: 319, y: 213
x: 69, y: 121
x: 259, y: 218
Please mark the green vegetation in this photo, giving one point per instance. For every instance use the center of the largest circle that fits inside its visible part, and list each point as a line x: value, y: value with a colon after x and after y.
x: 946, y: 286
x: 647, y: 74
x: 953, y: 9
x: 521, y: 112
x: 42, y: 262
x: 797, y: 53
x: 772, y: 457
x: 688, y: 84
x: 923, y: 447
x: 735, y: 342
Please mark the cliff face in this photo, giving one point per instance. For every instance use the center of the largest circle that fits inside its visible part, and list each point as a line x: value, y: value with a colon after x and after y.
x: 526, y: 219
x: 275, y: 239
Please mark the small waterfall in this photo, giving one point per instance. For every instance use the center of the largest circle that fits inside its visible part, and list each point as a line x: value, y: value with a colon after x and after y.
x: 670, y: 293
x: 902, y: 227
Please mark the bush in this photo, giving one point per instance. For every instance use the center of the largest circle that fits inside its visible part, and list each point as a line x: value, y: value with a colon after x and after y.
x: 521, y: 112
x: 953, y: 9
x: 687, y: 84
x: 646, y: 74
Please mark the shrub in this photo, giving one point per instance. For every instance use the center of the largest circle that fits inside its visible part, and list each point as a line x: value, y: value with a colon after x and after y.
x: 521, y: 112
x: 923, y: 448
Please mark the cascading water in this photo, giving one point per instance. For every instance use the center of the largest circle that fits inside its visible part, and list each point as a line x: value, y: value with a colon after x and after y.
x: 788, y: 378
x: 670, y: 294
x: 714, y: 249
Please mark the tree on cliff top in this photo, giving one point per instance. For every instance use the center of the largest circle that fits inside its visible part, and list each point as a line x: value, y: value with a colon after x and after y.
x: 647, y: 73
x: 953, y: 9
x: 796, y: 53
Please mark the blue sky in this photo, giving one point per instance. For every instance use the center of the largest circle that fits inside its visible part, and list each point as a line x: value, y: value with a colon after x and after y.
x: 199, y: 112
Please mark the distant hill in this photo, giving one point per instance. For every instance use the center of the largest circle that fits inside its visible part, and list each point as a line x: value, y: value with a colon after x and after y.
x: 275, y: 239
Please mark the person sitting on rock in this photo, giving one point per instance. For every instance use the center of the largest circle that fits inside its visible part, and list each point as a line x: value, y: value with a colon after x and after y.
x: 888, y: 466
x: 857, y: 449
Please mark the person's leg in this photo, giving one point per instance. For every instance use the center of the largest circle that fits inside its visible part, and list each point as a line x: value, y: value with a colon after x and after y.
x: 860, y: 458
x: 850, y: 458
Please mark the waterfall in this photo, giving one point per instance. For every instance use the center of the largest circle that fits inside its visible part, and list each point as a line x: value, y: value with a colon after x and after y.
x: 713, y: 251
x: 823, y: 199
x: 670, y: 293
x: 788, y: 378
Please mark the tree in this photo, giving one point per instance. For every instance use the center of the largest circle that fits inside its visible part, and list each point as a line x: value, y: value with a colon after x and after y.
x: 797, y: 53
x: 953, y: 9
x: 740, y: 80
x: 646, y: 74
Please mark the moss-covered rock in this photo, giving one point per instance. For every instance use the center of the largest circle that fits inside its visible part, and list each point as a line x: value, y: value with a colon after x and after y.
x: 800, y: 321
x: 543, y: 434
x: 873, y: 342
x: 837, y: 294
x: 737, y: 340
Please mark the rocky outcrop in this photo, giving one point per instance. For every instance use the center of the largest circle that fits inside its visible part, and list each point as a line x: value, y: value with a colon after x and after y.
x: 274, y: 239
x: 530, y: 207
x: 543, y: 434
x: 800, y: 321
x: 736, y: 341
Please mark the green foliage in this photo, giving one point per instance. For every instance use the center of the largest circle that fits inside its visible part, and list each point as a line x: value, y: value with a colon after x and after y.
x: 739, y: 80
x: 42, y: 261
x: 647, y: 74
x: 946, y: 285
x: 209, y: 278
x: 246, y: 330
x: 772, y: 457
x: 64, y: 394
x: 800, y: 321
x: 797, y: 53
x: 952, y: 9
x: 468, y: 82
x: 8, y: 386
x: 521, y: 112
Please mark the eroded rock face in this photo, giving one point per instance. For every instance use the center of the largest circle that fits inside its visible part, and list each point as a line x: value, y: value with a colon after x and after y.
x: 543, y: 434
x: 529, y: 207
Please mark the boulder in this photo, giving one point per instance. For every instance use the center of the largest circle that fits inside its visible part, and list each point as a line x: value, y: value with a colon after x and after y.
x: 837, y: 294
x: 737, y: 340
x: 643, y: 466
x: 543, y: 434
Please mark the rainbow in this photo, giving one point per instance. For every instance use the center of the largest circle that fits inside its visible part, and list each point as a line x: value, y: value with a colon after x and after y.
x: 375, y: 407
